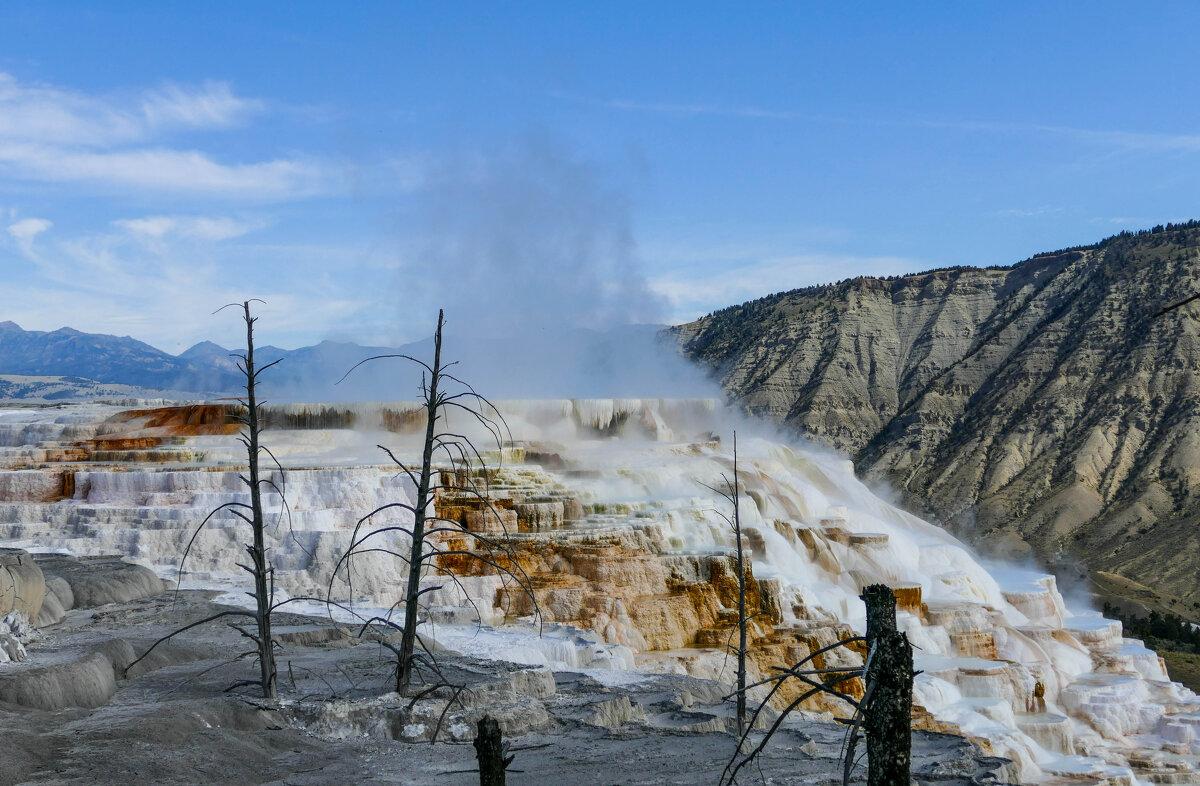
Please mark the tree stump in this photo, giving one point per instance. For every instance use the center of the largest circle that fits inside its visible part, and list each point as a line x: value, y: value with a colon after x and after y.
x: 881, y: 610
x: 887, y: 715
x: 489, y: 749
x: 887, y: 718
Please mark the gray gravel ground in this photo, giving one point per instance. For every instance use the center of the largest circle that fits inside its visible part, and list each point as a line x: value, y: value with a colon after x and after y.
x: 335, y: 721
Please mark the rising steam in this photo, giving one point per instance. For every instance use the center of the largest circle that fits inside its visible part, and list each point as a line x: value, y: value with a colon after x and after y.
x: 528, y: 240
x: 532, y: 256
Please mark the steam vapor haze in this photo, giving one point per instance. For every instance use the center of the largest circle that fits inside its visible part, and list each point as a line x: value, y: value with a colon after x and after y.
x: 527, y: 240
x: 533, y: 259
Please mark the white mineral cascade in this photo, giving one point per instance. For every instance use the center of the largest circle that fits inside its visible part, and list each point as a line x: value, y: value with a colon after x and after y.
x: 1064, y: 694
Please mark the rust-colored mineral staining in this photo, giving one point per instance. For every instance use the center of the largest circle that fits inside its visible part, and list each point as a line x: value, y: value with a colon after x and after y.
x: 619, y: 582
x: 595, y: 565
x: 184, y: 421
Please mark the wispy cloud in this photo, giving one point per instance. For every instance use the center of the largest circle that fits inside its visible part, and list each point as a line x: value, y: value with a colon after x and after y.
x: 1028, y: 212
x: 671, y: 108
x: 213, y: 105
x: 53, y: 134
x: 700, y: 109
x: 165, y: 170
x: 202, y: 228
x: 1150, y: 141
x: 1136, y: 140
x: 1120, y: 139
x: 163, y: 290
x: 54, y: 115
x: 25, y: 230
x: 1137, y: 222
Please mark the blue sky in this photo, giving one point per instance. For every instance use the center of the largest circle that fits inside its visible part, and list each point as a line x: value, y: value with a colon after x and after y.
x: 360, y: 165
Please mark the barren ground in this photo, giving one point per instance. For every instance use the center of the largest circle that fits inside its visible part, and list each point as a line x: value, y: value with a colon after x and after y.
x: 336, y: 721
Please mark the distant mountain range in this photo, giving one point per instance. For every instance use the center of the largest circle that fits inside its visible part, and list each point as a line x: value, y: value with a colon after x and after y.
x: 1042, y: 410
x: 630, y: 361
x: 205, y: 369
x: 68, y: 352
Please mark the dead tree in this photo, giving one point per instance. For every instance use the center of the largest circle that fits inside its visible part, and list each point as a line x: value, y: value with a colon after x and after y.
x: 465, y: 472
x: 263, y: 573
x: 730, y: 492
x: 884, y: 711
x: 491, y: 753
x: 887, y: 716
x: 260, y: 567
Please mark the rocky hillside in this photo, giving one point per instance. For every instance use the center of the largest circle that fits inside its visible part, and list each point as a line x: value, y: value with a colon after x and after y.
x: 1042, y: 409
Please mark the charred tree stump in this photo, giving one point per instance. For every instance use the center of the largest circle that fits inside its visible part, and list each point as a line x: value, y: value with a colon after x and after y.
x: 881, y: 610
x: 887, y: 713
x: 489, y: 749
x: 887, y: 718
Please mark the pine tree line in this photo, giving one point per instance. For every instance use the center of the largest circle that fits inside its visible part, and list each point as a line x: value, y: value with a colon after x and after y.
x: 1159, y: 631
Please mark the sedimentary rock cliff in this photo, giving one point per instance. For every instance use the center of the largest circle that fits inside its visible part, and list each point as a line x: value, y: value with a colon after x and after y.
x: 1042, y: 408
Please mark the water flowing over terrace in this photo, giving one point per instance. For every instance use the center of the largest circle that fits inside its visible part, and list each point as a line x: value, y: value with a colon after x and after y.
x: 602, y: 506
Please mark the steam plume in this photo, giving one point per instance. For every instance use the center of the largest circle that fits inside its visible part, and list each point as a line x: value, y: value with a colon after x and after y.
x: 533, y: 258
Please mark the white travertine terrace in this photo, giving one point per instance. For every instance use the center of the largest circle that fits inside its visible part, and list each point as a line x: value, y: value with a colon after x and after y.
x: 1003, y: 657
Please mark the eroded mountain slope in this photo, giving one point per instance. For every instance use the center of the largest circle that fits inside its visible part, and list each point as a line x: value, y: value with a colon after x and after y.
x: 1041, y: 409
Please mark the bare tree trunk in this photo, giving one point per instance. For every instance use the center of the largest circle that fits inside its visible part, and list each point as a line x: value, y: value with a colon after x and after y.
x: 260, y: 567
x: 258, y: 552
x: 467, y: 476
x: 881, y: 610
x: 409, y: 636
x: 741, y: 574
x: 887, y: 715
x: 489, y: 750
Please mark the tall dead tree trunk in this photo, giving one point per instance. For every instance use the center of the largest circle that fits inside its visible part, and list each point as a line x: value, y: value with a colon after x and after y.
x: 467, y: 475
x: 887, y: 710
x: 884, y: 713
x: 730, y: 491
x: 741, y: 579
x: 408, y: 639
x: 263, y: 583
x: 252, y: 514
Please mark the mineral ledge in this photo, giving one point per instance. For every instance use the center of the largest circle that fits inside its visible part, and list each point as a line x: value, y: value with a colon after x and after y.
x: 601, y: 505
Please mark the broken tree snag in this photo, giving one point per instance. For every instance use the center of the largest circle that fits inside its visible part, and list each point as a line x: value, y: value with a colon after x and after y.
x: 489, y: 749
x: 887, y: 709
x: 881, y: 610
x: 887, y: 716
